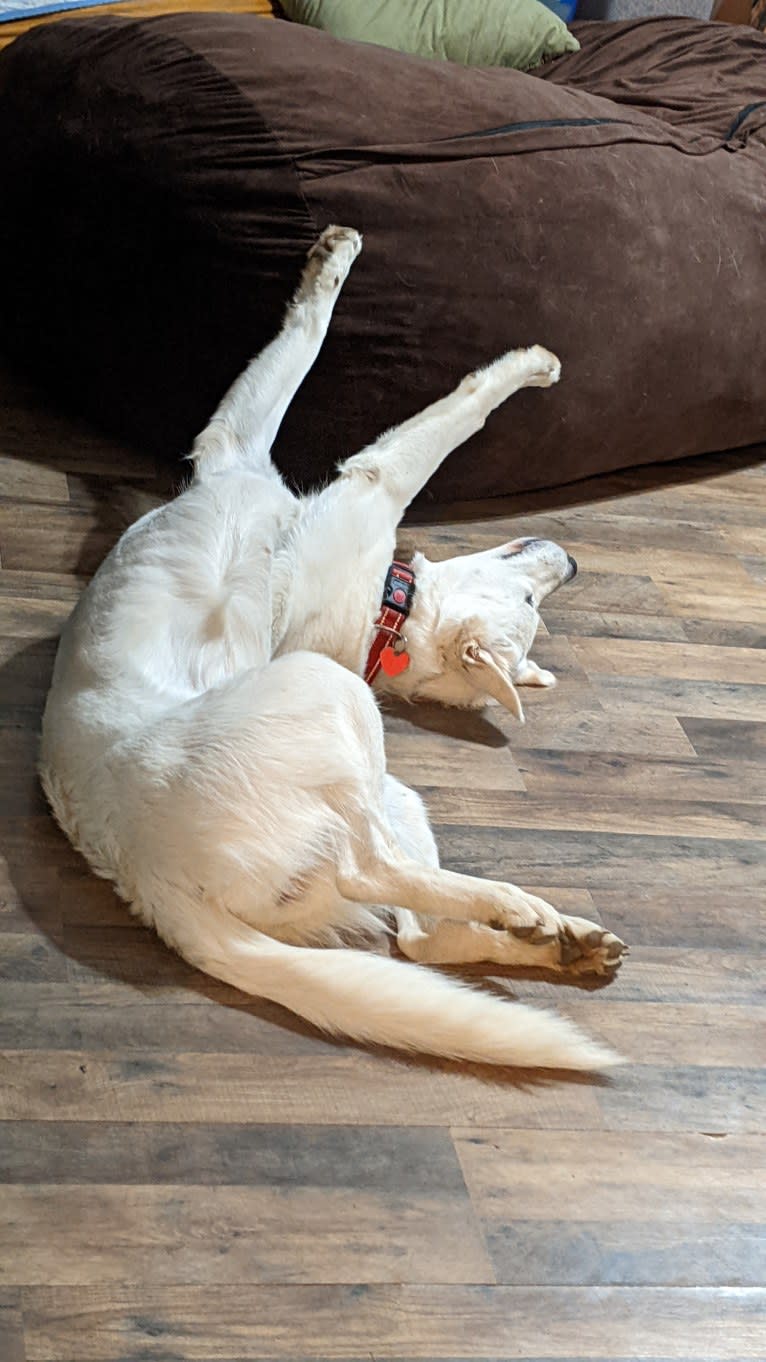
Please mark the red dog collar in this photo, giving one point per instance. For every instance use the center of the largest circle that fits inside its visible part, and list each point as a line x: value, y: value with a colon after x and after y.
x: 388, y: 650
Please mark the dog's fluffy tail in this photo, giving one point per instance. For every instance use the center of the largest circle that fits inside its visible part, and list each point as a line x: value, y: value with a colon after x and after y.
x: 386, y: 1002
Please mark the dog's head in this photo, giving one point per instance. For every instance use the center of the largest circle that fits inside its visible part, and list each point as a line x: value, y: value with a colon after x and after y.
x: 474, y: 621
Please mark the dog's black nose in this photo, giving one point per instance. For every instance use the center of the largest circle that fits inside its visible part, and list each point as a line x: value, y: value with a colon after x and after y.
x: 572, y: 567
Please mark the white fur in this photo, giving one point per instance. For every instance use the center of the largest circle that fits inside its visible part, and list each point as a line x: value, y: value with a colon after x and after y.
x: 210, y: 747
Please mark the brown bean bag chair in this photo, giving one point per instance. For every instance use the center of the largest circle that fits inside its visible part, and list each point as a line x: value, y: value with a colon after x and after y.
x: 164, y: 178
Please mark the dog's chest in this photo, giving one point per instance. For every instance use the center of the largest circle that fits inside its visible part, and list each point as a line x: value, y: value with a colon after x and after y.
x: 338, y: 621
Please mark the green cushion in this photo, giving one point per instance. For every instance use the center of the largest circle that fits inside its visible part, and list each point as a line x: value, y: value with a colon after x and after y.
x: 519, y: 33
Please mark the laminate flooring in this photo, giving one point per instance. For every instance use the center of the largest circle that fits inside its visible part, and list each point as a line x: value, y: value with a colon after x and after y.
x: 190, y: 1176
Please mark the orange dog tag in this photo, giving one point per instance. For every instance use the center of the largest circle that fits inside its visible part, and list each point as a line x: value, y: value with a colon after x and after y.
x: 394, y: 664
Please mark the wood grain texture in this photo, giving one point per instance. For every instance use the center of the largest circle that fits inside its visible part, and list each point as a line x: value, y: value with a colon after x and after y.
x: 284, y: 1322
x: 11, y: 1327
x: 192, y: 1176
x: 199, y: 1235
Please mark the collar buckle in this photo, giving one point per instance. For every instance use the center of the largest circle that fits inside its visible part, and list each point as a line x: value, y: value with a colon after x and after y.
x: 399, y: 589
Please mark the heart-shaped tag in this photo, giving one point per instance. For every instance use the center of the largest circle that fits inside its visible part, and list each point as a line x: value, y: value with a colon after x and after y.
x: 394, y: 664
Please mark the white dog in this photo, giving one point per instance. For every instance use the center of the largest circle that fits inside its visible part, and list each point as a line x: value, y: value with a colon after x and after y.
x: 210, y: 744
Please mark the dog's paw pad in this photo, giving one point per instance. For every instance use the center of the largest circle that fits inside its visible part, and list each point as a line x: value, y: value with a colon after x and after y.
x: 331, y: 257
x: 594, y: 951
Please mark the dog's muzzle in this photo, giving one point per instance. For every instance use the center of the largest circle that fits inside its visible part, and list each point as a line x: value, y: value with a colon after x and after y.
x: 572, y: 567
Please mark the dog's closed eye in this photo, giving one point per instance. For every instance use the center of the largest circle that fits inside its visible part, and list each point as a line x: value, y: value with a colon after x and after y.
x: 530, y: 600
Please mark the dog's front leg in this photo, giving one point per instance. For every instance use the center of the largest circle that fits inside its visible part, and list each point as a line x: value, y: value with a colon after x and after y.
x: 401, y: 462
x: 246, y: 423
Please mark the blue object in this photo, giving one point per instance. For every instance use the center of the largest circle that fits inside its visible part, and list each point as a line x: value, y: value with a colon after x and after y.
x: 33, y: 9
x: 563, y: 9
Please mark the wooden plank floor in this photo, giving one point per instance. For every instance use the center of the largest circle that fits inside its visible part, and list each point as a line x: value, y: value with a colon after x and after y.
x: 191, y: 1177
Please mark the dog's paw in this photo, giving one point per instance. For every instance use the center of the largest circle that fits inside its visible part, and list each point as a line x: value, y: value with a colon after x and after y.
x: 540, y: 936
x: 544, y: 367
x: 531, y: 675
x: 330, y: 259
x: 586, y: 948
x: 527, y: 917
x: 532, y: 368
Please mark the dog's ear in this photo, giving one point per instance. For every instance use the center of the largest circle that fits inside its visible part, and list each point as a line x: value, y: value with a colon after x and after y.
x: 488, y: 673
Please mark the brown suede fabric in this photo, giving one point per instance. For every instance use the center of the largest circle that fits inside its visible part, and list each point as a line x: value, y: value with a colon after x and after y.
x: 164, y: 179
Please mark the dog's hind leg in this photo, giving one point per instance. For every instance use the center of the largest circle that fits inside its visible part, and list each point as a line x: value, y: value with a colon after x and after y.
x: 401, y: 461
x: 244, y: 426
x: 445, y: 942
x: 441, y: 941
x: 374, y: 870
